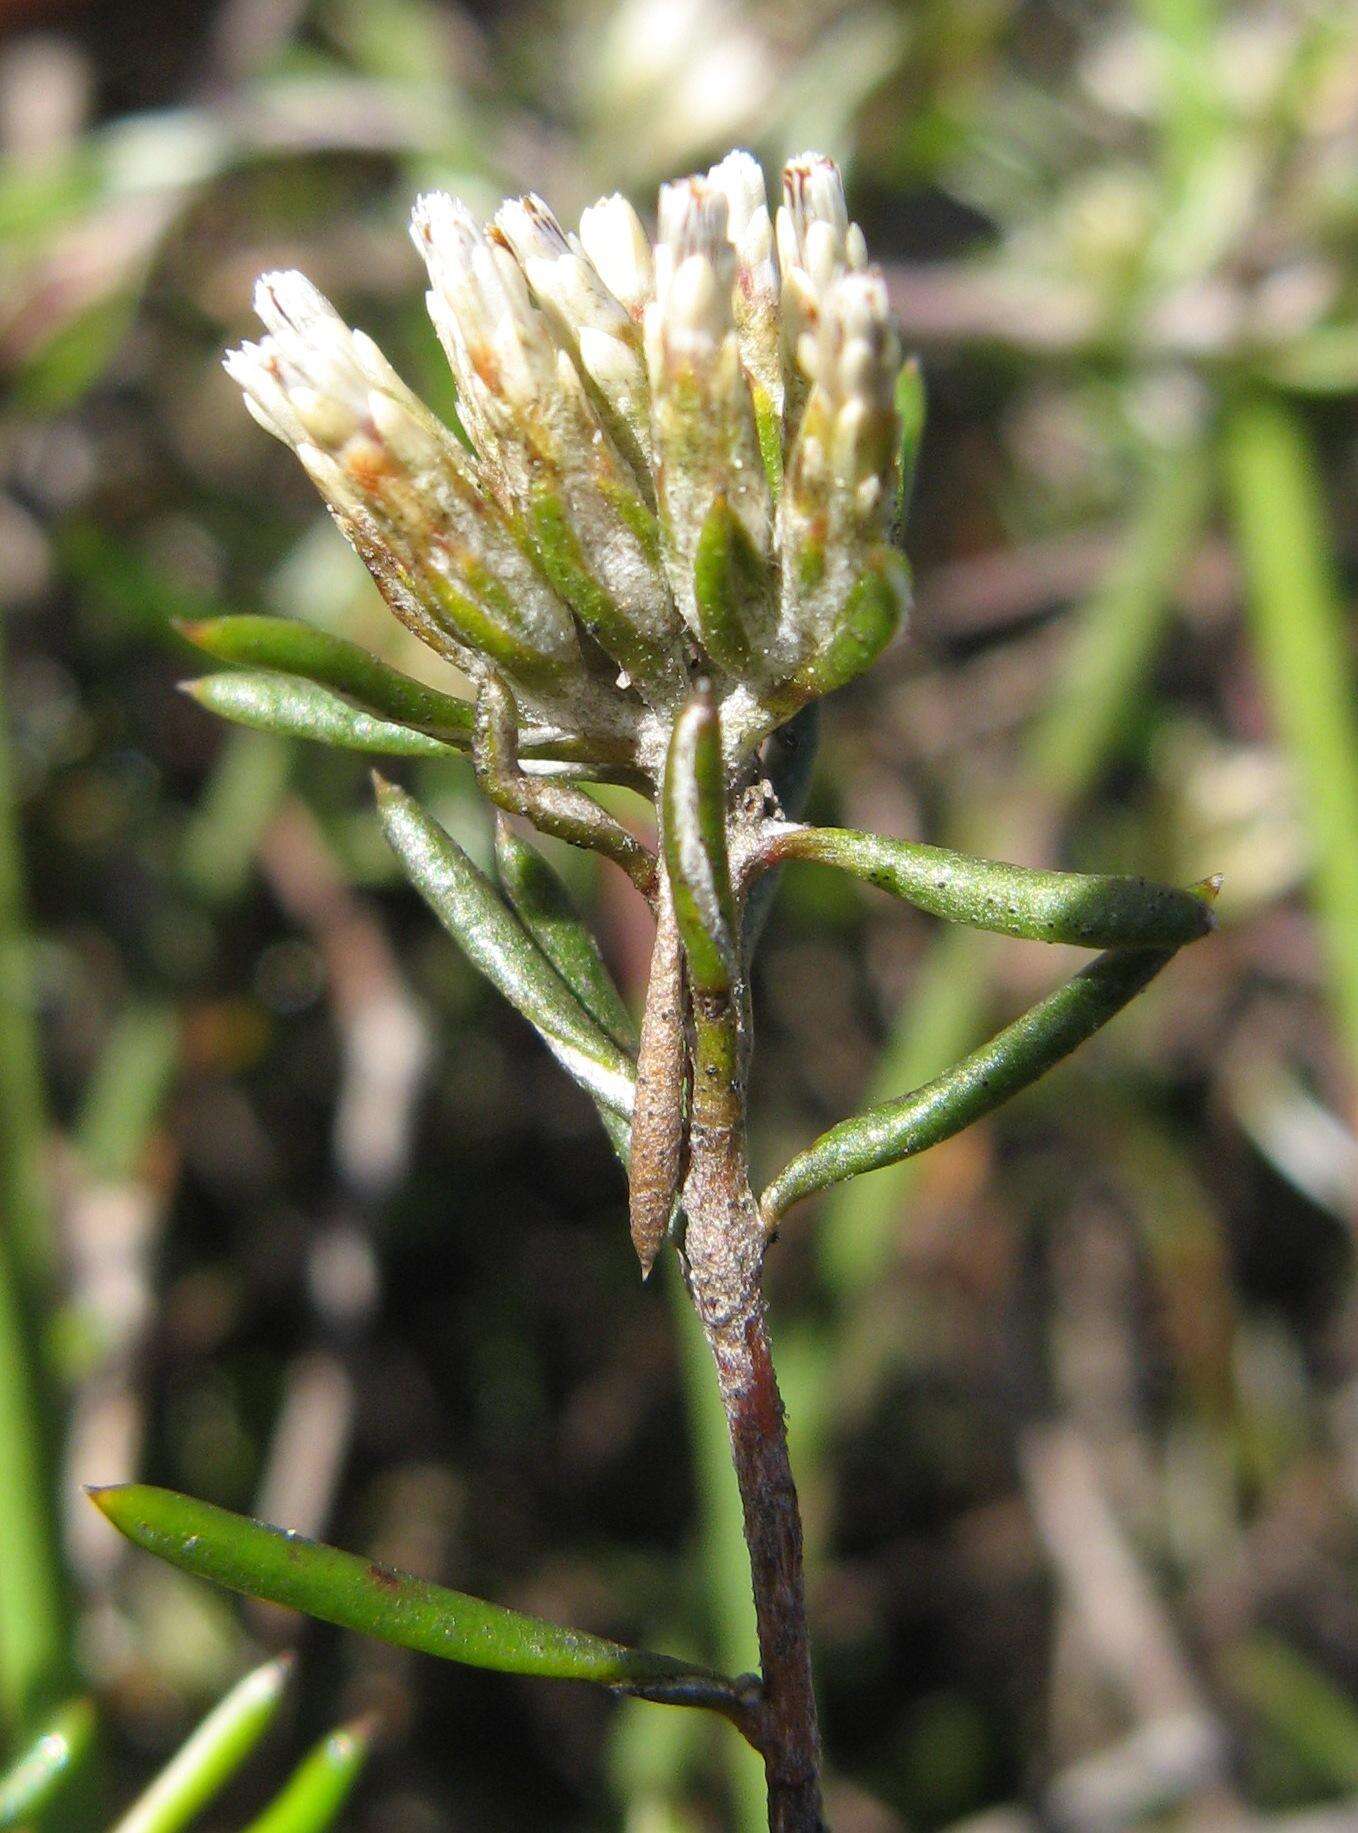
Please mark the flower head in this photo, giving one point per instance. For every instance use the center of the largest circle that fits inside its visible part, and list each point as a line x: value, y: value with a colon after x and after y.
x: 679, y: 457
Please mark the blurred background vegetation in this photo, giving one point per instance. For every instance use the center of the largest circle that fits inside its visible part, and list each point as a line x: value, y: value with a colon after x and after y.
x: 299, y: 1218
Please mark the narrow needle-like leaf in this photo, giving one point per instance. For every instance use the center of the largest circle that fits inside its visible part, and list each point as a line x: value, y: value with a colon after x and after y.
x: 495, y: 943
x: 29, y: 1783
x: 292, y: 648
x: 212, y: 1755
x: 1012, y: 1060
x: 283, y: 1568
x: 296, y: 708
x: 694, y: 827
x: 543, y: 905
x: 311, y: 1799
x: 1074, y: 907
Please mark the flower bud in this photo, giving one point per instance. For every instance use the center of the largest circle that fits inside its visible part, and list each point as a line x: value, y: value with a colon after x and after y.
x: 816, y: 244
x: 544, y: 445
x: 838, y: 498
x: 607, y: 533
x: 398, y: 481
x: 705, y: 439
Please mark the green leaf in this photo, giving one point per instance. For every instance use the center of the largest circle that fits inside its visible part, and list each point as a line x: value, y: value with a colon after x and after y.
x: 495, y: 943
x: 1086, y: 910
x: 30, y: 1782
x: 730, y: 588
x: 292, y: 648
x: 870, y: 618
x: 216, y: 1750
x: 543, y: 905
x: 295, y: 708
x: 283, y: 1568
x: 564, y: 563
x: 977, y: 1085
x: 694, y: 825
x: 317, y: 1790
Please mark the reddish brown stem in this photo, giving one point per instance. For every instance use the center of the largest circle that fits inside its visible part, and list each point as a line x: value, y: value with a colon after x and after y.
x: 724, y: 1249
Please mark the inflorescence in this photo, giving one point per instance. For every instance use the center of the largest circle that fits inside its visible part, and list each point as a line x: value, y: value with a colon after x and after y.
x: 675, y: 460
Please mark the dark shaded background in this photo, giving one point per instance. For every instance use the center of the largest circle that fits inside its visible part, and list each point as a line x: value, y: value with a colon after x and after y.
x: 1074, y: 1398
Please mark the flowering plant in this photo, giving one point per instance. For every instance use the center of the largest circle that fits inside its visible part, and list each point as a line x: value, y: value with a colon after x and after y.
x: 664, y: 528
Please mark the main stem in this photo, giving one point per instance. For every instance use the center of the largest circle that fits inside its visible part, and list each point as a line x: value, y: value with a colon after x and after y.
x: 724, y: 1252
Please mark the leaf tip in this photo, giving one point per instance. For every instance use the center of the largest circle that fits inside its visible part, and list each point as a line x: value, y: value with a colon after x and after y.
x: 357, y: 1735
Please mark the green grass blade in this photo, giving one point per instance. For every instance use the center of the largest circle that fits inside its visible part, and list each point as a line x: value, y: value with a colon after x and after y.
x: 498, y: 946
x: 33, y: 1614
x: 1117, y: 632
x: 1302, y: 640
x: 543, y: 905
x: 283, y: 1568
x: 315, y: 1793
x: 29, y: 1784
x: 221, y: 842
x: 288, y: 647
x: 33, y: 1617
x: 205, y: 1763
x: 32, y: 1591
x: 292, y: 707
x: 1011, y: 1061
x: 128, y: 1089
x: 1073, y: 907
x: 1312, y: 1714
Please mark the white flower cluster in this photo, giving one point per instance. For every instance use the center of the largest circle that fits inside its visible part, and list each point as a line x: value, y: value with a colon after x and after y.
x: 679, y: 457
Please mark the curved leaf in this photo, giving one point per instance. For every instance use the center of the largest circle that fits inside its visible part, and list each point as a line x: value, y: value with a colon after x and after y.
x: 296, y: 708
x: 283, y: 1568
x: 213, y: 1754
x: 694, y: 825
x: 1087, y: 910
x: 318, y: 1788
x: 543, y: 905
x: 494, y: 941
x: 30, y: 1782
x: 292, y: 648
x: 1012, y: 1060
x: 730, y: 588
